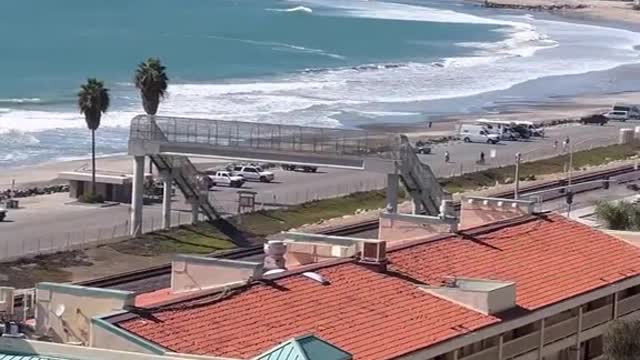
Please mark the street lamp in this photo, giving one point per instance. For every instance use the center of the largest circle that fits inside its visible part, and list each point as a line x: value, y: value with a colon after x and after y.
x: 569, y: 177
x: 517, y: 184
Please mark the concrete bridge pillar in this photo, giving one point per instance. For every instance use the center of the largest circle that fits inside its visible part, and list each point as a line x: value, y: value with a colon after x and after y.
x: 195, y: 210
x: 392, y: 193
x: 167, y: 182
x: 136, y: 196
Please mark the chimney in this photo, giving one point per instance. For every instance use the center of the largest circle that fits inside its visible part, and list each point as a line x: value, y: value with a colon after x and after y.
x: 275, y: 251
x: 485, y: 296
x: 476, y: 210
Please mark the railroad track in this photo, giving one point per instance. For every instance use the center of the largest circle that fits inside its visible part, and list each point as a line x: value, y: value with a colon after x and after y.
x: 159, y: 277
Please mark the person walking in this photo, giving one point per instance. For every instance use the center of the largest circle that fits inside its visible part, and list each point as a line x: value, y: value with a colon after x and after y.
x: 482, y: 157
x: 446, y: 157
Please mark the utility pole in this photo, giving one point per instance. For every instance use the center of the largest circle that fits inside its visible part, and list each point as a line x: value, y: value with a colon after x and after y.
x: 570, y: 166
x: 517, y: 183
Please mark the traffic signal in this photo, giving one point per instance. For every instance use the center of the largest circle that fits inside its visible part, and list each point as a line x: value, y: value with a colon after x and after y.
x: 569, y: 197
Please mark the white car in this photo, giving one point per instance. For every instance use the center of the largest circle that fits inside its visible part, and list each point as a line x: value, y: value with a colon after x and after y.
x: 617, y: 115
x: 226, y: 178
x: 253, y: 173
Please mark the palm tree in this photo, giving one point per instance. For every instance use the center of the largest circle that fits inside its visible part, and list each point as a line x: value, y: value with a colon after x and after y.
x: 93, y: 100
x: 152, y: 81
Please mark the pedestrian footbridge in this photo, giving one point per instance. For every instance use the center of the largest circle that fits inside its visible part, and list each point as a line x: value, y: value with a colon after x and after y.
x: 170, y: 141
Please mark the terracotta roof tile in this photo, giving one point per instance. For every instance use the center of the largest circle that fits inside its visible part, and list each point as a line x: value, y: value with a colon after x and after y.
x: 379, y: 316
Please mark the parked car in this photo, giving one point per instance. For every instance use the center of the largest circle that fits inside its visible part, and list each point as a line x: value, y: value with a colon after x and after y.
x: 532, y: 129
x: 523, y: 131
x: 617, y: 115
x: 477, y: 133
x: 594, y: 119
x: 305, y: 168
x: 633, y: 111
x: 423, y: 147
x: 225, y: 178
x: 253, y: 173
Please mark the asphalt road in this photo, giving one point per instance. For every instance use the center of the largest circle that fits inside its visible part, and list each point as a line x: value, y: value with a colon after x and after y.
x: 46, y: 222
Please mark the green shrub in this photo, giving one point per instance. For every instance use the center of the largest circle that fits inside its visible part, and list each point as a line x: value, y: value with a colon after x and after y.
x: 620, y: 215
x: 622, y: 340
x: 91, y: 198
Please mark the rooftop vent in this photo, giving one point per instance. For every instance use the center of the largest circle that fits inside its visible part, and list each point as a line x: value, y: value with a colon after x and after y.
x: 485, y: 296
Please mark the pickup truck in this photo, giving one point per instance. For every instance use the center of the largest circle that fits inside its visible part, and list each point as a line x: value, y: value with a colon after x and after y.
x: 253, y: 173
x: 305, y: 168
x: 226, y: 178
x: 594, y: 119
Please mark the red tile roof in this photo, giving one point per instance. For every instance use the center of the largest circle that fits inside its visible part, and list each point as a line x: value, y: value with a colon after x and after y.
x: 382, y: 315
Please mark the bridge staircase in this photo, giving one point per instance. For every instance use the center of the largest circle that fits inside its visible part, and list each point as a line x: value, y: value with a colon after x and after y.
x: 185, y: 175
x: 419, y: 180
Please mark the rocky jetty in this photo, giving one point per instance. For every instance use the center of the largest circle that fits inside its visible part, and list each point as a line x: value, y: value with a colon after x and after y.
x: 546, y: 7
x: 34, y: 191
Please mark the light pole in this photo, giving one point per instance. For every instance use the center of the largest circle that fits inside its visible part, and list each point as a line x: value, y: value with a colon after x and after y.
x: 569, y: 192
x: 517, y: 184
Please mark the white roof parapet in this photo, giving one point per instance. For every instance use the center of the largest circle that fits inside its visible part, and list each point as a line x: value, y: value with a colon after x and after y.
x: 482, y: 295
x: 329, y: 240
x: 419, y: 219
x: 497, y: 202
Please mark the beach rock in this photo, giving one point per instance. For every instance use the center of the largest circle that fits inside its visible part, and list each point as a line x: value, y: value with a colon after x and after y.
x: 550, y: 7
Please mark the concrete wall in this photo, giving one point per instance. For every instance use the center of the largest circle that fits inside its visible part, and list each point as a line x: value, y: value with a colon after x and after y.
x: 118, y: 193
x: 64, y: 311
x: 47, y: 349
x: 194, y: 272
x: 108, y: 336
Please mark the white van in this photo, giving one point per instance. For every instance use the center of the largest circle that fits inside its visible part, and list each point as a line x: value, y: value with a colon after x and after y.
x: 477, y: 133
x: 633, y: 111
x: 617, y: 115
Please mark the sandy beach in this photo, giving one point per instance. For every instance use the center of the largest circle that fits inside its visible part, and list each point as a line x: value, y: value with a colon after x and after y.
x: 603, y: 10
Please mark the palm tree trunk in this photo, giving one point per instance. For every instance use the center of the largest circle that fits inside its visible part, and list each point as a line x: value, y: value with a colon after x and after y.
x: 93, y: 163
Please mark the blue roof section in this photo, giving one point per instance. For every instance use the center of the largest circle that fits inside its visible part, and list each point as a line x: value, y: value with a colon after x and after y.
x: 7, y: 356
x: 308, y: 347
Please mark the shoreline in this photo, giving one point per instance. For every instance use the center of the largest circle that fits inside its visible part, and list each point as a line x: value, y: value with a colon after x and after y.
x: 608, y: 11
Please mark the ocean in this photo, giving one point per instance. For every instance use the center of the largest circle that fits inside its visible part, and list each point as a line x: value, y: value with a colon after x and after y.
x: 331, y: 63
